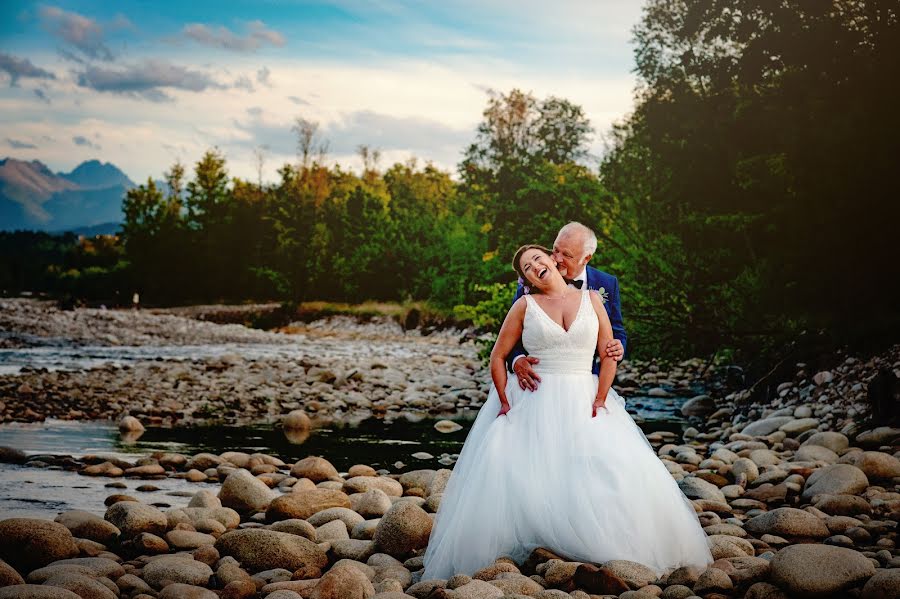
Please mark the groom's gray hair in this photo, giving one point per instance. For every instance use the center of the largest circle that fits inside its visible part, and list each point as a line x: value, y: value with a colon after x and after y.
x: 590, y: 238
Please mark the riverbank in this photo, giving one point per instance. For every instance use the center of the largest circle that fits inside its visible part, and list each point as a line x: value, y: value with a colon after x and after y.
x: 169, y: 369
x: 335, y: 368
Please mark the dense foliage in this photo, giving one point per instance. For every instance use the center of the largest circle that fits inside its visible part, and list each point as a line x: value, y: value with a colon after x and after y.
x: 757, y: 172
x: 65, y: 265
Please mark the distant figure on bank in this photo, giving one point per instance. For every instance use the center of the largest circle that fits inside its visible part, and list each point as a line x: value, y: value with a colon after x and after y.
x: 135, y: 301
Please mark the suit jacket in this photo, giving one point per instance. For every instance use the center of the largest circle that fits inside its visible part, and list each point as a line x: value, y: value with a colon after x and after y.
x: 595, y: 280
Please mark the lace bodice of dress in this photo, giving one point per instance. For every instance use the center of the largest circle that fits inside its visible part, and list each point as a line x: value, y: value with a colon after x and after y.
x: 559, y: 350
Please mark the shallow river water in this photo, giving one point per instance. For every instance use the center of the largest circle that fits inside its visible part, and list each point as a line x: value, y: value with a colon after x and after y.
x: 387, y: 444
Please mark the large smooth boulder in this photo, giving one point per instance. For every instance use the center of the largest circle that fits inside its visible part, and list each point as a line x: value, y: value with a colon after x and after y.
x: 130, y: 424
x: 176, y: 568
x: 815, y: 453
x: 417, y: 479
x: 515, y: 584
x: 835, y: 480
x: 877, y: 465
x: 9, y: 576
x: 86, y: 525
x: 745, y: 467
x: 795, y: 427
x: 295, y: 526
x: 634, y: 574
x: 132, y: 518
x: 258, y: 550
x: 836, y: 442
x: 245, y: 493
x: 725, y: 546
x: 819, y: 570
x: 374, y: 503
x: 843, y: 505
x: 188, y: 539
x: 761, y: 428
x: 96, y: 567
x: 205, y: 498
x: 404, y: 528
x: 343, y: 582
x: 697, y: 488
x: 29, y: 543
x: 788, y: 522
x: 194, y: 516
x: 601, y: 581
x: 884, y: 585
x: 701, y: 405
x: 82, y: 585
x: 296, y: 420
x: 345, y: 515
x: 883, y: 435
x: 361, y: 484
x: 303, y: 504
x: 315, y: 469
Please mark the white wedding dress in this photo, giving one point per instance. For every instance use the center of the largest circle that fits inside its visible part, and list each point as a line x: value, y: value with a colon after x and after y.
x: 548, y: 475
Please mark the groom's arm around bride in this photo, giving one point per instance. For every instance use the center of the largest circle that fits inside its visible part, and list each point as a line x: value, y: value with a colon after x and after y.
x: 573, y: 249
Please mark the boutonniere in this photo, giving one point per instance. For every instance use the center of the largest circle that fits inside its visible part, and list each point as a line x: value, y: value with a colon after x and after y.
x: 603, y: 293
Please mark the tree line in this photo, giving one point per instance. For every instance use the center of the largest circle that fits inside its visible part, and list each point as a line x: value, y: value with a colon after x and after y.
x: 749, y: 196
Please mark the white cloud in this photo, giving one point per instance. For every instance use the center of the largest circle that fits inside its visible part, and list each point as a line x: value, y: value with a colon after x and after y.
x: 257, y: 36
x: 80, y: 32
x: 149, y: 80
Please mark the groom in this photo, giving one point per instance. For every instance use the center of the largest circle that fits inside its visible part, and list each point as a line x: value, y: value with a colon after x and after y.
x: 573, y: 249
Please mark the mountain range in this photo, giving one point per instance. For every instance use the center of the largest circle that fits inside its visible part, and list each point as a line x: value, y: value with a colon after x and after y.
x: 87, y: 199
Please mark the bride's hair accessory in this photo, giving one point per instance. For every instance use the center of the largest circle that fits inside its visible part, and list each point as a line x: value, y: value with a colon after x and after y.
x: 525, y: 288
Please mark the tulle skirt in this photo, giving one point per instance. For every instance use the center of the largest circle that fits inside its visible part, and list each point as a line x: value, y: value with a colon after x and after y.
x: 547, y: 474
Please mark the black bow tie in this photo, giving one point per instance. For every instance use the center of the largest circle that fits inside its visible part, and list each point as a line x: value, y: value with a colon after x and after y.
x: 578, y: 284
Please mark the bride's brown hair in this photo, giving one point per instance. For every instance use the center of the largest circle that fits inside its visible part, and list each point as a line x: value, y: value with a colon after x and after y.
x: 518, y: 256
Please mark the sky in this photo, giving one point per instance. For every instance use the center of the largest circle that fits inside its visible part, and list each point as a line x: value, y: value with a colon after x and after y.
x: 142, y: 84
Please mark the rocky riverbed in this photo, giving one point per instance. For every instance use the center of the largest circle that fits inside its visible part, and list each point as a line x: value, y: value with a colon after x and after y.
x: 336, y: 368
x: 791, y: 509
x: 799, y: 497
x: 169, y: 369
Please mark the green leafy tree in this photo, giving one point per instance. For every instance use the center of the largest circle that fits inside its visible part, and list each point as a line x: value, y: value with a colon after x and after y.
x: 760, y: 137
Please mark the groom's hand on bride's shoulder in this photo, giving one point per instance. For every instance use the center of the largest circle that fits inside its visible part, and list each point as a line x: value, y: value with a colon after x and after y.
x: 527, y: 377
x: 615, y: 350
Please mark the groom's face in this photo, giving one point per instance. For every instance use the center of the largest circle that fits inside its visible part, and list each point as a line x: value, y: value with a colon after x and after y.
x: 568, y: 252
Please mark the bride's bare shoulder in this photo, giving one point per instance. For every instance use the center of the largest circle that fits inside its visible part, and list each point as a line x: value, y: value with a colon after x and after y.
x: 596, y: 301
x: 519, y: 305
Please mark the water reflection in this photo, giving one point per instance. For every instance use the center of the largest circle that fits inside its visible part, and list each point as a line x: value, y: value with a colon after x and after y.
x: 129, y: 437
x: 296, y: 436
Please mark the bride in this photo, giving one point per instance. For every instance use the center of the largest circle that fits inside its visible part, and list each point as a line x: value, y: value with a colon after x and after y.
x: 563, y: 467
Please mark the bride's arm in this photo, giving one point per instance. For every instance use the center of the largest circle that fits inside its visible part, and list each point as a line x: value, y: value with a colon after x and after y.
x: 510, y: 333
x: 607, y: 363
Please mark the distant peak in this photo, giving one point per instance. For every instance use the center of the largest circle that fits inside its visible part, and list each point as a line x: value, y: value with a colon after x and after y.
x: 96, y: 174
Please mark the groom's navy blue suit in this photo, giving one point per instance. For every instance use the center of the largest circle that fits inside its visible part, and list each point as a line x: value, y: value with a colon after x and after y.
x: 596, y: 279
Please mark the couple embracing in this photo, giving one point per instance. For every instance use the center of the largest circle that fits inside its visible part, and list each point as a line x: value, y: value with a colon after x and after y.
x: 553, y: 459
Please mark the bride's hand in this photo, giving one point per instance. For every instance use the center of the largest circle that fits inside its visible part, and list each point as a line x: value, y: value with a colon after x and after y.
x: 504, y: 408
x: 600, y: 402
